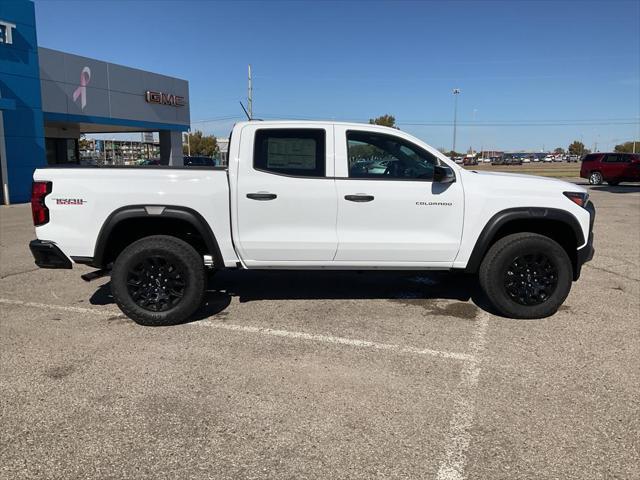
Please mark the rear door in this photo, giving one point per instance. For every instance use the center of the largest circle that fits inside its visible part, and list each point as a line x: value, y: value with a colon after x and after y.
x: 613, y: 166
x: 390, y: 212
x: 286, y: 195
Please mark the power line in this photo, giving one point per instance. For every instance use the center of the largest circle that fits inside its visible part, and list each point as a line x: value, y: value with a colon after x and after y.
x: 514, y: 124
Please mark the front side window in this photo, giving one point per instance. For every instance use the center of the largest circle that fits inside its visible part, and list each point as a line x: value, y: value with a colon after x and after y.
x: 288, y: 151
x: 380, y: 156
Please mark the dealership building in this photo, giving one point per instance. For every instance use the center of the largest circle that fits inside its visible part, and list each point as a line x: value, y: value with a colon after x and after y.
x: 49, y: 98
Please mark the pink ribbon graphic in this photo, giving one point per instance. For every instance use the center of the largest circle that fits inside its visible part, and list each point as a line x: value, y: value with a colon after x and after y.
x: 81, y: 91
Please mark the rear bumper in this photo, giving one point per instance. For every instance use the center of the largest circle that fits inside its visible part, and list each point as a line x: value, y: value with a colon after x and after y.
x: 586, y: 253
x: 48, y: 255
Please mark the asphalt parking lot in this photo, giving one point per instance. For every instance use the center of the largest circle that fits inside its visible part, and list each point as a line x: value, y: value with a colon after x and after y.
x: 324, y: 375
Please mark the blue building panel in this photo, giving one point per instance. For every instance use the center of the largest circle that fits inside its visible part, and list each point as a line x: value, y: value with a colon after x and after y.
x: 18, y: 11
x: 20, y: 83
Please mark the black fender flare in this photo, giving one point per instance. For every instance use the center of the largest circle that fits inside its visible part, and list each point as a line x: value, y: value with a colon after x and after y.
x: 519, y: 213
x: 168, y: 211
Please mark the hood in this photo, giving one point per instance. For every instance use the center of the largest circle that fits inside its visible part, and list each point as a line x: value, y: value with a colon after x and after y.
x: 519, y: 181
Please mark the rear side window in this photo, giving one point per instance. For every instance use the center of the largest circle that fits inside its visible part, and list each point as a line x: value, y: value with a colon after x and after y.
x: 617, y: 158
x: 299, y: 152
x: 591, y: 158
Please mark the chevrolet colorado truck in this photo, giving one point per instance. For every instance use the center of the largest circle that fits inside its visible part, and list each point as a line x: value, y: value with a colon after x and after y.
x: 312, y: 195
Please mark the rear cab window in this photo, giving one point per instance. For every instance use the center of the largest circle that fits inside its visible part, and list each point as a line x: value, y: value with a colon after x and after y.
x: 299, y: 152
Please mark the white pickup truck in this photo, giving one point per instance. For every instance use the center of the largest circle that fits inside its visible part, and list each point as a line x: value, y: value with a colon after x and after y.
x: 312, y: 195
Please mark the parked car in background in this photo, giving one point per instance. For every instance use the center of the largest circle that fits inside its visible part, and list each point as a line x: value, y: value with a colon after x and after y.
x: 150, y: 161
x: 612, y: 168
x: 548, y: 158
x: 573, y: 158
x: 199, y: 161
x: 470, y: 161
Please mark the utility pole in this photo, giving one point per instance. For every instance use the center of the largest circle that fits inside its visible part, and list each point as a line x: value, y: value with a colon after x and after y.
x: 475, y: 110
x: 456, y: 92
x: 250, y: 96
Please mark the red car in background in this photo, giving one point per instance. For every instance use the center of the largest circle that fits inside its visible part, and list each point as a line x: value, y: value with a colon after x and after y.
x: 612, y: 168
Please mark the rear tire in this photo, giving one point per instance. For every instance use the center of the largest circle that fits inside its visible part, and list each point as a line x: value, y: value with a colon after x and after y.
x: 158, y: 281
x: 526, y: 275
x: 595, y: 178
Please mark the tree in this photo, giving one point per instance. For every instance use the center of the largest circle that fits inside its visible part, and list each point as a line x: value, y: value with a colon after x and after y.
x: 628, y: 147
x: 452, y: 154
x: 577, y: 148
x: 385, y: 120
x: 200, y: 144
x: 559, y: 151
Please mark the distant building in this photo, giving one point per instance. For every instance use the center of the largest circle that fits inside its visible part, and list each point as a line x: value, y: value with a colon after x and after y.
x: 223, y: 149
x: 491, y: 154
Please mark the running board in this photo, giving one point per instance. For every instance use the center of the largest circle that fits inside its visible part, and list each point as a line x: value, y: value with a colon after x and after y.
x: 103, y: 272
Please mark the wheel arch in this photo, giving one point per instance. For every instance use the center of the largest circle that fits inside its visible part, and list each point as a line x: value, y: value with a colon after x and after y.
x: 128, y: 224
x: 559, y: 225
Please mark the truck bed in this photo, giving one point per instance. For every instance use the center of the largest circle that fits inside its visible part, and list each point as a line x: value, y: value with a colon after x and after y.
x: 82, y: 198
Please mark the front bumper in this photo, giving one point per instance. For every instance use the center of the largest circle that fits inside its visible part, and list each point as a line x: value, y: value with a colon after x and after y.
x: 586, y: 253
x: 48, y: 255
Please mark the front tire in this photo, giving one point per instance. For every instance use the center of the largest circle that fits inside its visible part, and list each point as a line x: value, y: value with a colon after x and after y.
x: 526, y: 275
x: 158, y: 281
x: 595, y: 178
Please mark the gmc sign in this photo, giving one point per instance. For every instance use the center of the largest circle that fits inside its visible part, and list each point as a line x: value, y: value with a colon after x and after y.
x: 164, y: 98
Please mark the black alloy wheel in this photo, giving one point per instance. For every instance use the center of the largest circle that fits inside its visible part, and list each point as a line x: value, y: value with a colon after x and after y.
x: 526, y: 275
x: 159, y: 280
x: 531, y: 279
x: 156, y: 284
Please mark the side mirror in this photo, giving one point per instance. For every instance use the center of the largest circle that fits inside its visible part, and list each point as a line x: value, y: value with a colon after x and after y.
x: 443, y: 174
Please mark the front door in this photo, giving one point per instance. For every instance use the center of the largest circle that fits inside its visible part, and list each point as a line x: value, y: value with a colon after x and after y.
x: 286, y: 196
x: 390, y: 212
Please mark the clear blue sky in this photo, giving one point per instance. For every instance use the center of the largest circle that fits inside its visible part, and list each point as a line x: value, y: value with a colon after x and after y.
x: 515, y: 61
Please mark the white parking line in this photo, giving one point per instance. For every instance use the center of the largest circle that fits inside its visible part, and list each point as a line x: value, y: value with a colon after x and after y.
x: 45, y: 306
x: 336, y: 340
x: 271, y: 332
x: 453, y: 465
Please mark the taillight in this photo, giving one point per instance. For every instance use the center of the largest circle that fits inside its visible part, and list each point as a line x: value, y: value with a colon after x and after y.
x: 40, y: 212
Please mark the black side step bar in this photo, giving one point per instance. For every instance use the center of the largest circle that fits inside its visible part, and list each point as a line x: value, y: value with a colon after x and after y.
x: 103, y: 272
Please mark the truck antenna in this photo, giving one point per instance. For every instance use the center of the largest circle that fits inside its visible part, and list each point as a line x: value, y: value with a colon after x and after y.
x: 245, y: 111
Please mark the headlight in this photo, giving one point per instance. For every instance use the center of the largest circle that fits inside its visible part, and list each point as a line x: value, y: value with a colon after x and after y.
x: 578, y: 198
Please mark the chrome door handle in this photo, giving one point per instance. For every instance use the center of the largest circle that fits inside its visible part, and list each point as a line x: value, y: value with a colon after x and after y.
x: 359, y: 198
x: 262, y: 196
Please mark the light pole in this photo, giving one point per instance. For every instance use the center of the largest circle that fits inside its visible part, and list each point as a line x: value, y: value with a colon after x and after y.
x: 456, y: 92
x: 473, y: 122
